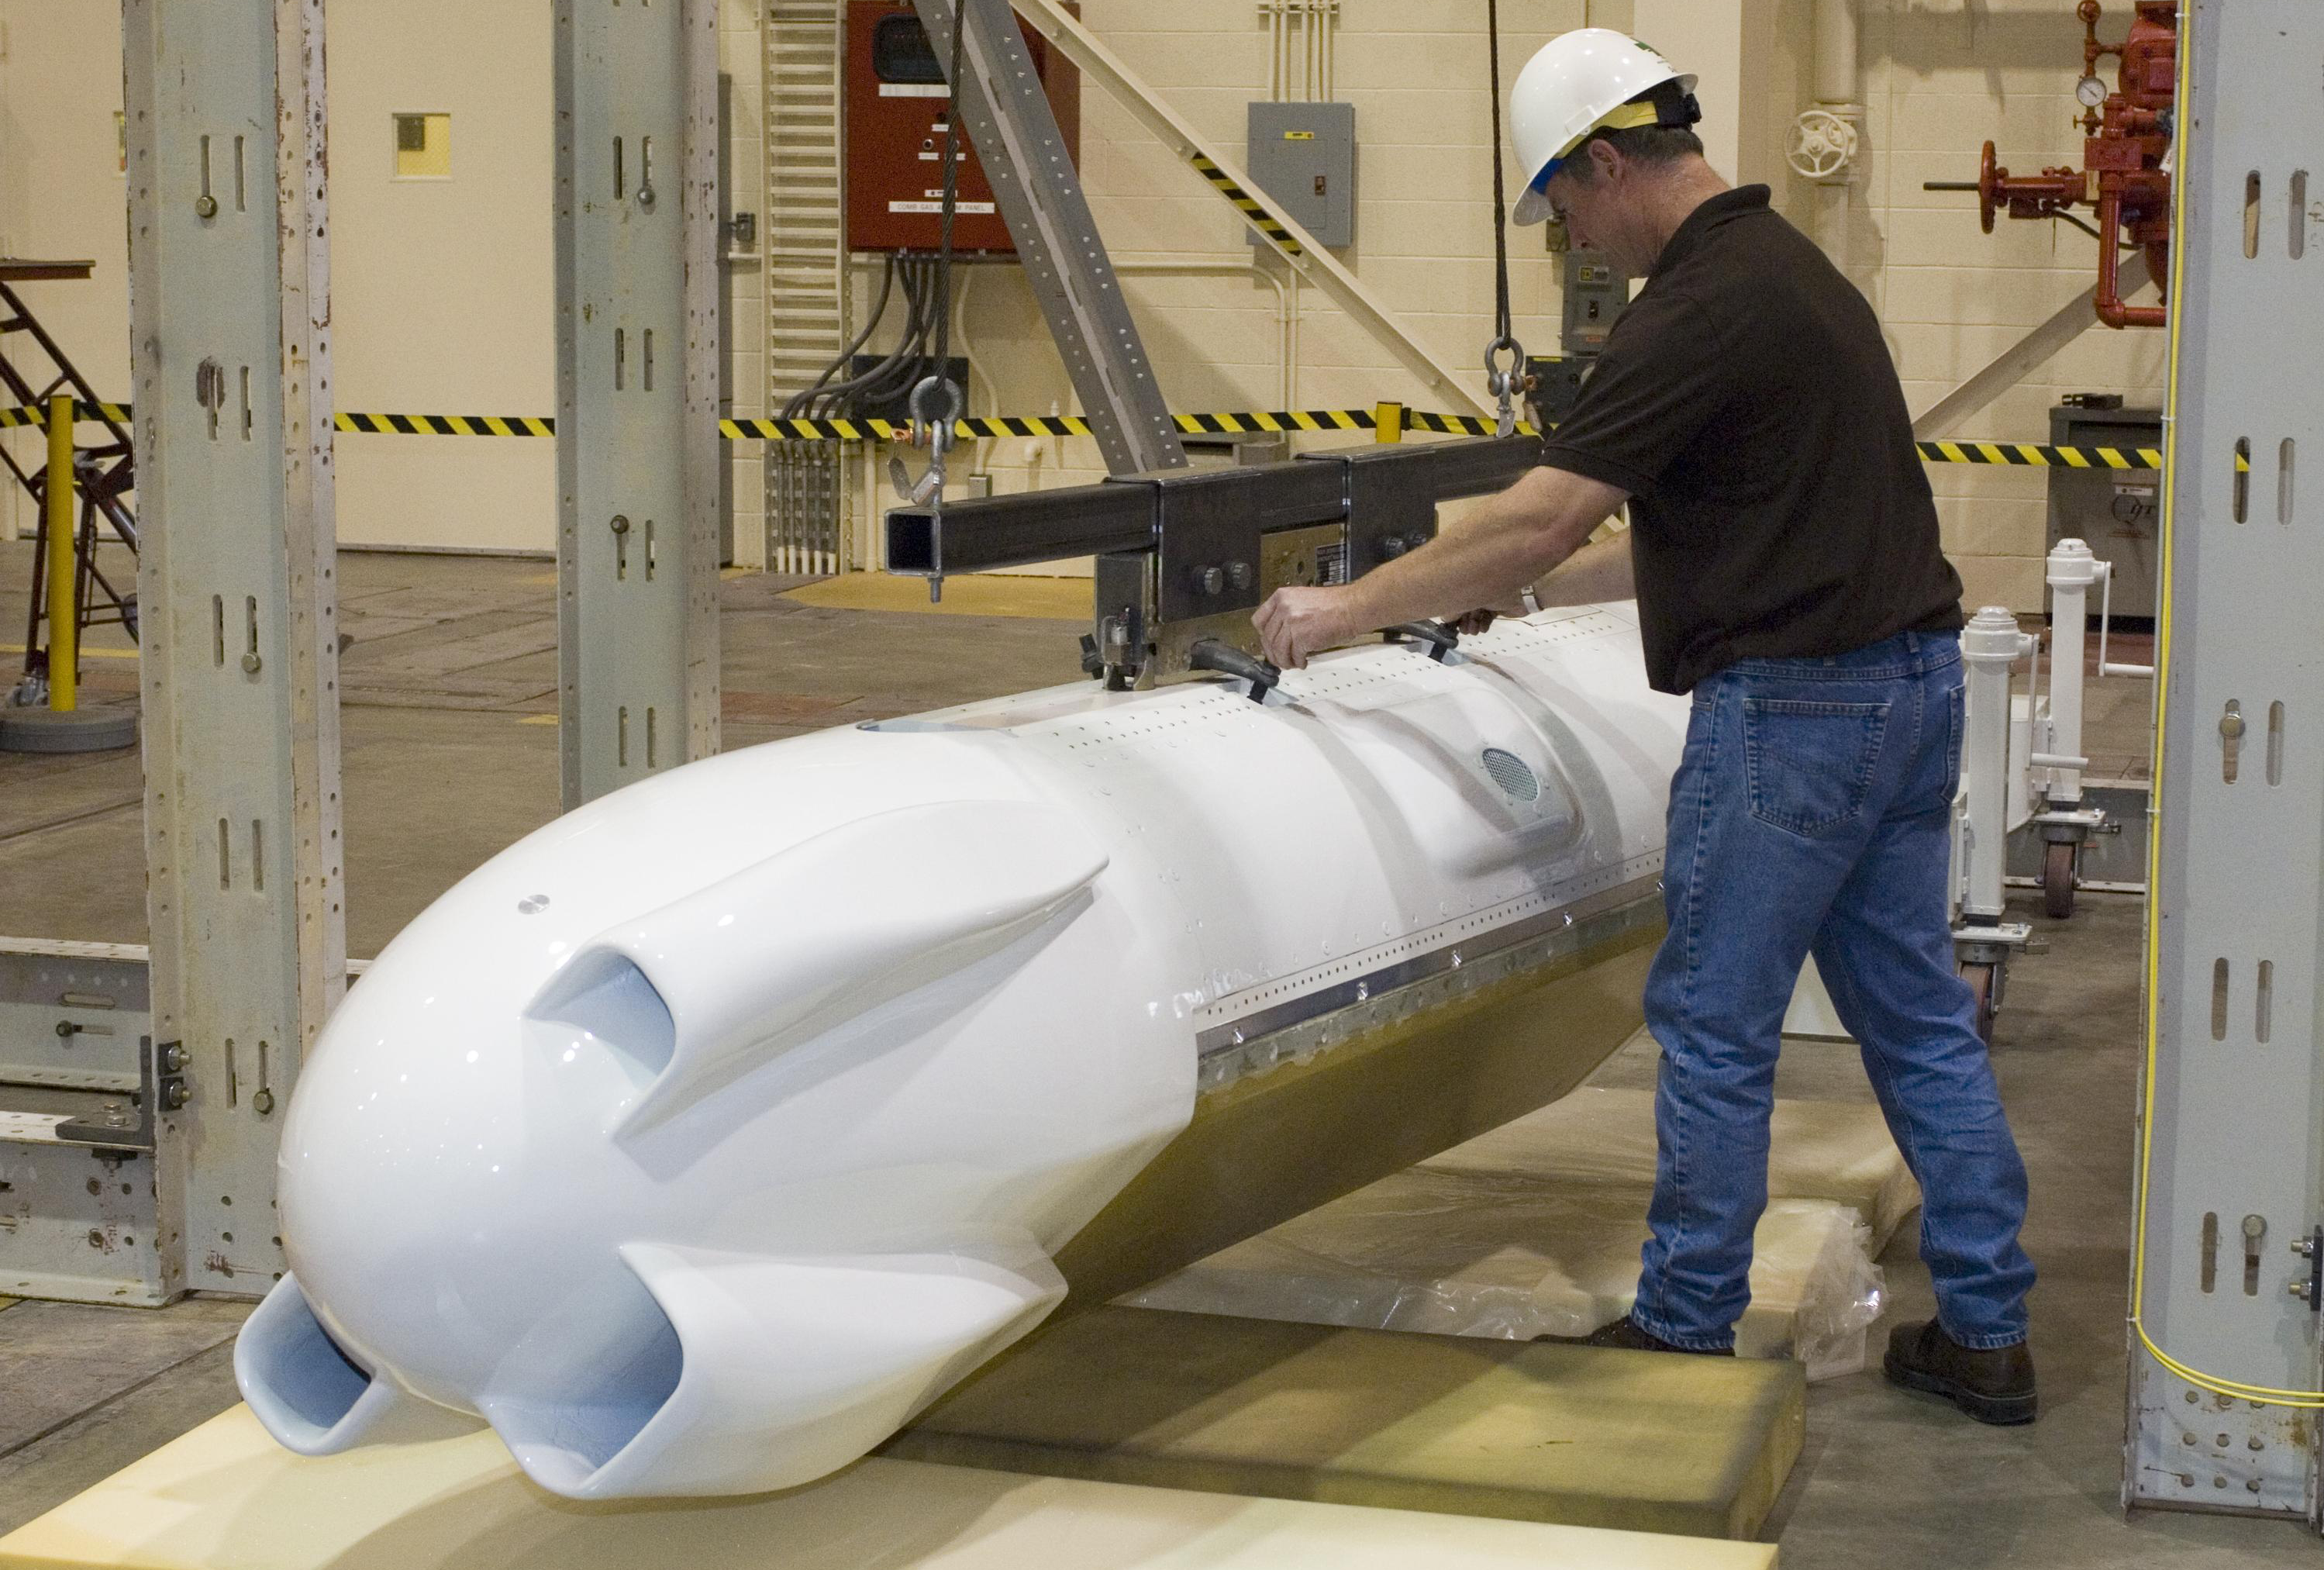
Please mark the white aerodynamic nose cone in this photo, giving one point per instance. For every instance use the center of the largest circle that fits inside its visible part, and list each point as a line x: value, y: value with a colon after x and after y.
x: 662, y: 1173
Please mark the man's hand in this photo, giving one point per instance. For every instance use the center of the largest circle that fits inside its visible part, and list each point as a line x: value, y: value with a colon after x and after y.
x: 1295, y: 623
x: 1505, y: 542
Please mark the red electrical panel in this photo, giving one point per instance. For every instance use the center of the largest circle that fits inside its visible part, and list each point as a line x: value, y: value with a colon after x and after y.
x: 897, y: 104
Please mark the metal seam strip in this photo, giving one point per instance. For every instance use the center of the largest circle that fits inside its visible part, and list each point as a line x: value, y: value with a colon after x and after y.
x: 1451, y: 955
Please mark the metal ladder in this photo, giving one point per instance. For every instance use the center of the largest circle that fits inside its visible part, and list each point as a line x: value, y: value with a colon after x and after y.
x: 103, y: 474
x: 807, y: 306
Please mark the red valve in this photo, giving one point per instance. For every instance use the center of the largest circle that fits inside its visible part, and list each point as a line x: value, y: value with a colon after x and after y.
x: 2122, y: 179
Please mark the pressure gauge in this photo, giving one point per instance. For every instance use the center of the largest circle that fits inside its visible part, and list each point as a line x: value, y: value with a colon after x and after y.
x: 2090, y: 92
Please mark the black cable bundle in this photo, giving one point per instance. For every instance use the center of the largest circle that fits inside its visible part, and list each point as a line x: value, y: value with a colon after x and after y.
x: 927, y: 300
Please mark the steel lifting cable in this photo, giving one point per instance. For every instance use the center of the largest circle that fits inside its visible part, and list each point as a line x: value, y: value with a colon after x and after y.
x: 1503, y: 381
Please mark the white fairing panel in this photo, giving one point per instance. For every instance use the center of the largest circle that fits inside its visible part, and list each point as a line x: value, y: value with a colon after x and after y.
x: 700, y: 1139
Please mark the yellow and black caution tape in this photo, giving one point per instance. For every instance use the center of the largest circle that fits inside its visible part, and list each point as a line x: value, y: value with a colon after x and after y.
x: 37, y: 415
x: 2031, y: 454
x: 1246, y: 203
x: 445, y: 424
x: 2006, y: 454
x: 1240, y: 423
x: 1244, y: 422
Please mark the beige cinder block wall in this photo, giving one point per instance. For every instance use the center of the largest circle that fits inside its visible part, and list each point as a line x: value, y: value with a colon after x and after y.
x: 63, y: 196
x: 1415, y: 71
x: 1937, y: 77
x: 1941, y: 80
x: 442, y: 293
x: 443, y: 289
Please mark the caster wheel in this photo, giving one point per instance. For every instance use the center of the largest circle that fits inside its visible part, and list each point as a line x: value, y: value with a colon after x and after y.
x: 1980, y: 980
x: 2057, y: 879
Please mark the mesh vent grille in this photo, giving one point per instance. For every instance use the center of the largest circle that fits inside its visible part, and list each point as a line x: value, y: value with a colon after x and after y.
x: 1511, y: 773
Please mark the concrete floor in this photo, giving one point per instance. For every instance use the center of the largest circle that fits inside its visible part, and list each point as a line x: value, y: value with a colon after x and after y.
x: 446, y: 762
x: 448, y: 698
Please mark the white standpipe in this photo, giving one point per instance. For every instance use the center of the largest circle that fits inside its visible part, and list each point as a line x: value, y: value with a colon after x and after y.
x: 2073, y: 569
x: 1835, y: 56
x: 1990, y: 644
x: 1823, y: 140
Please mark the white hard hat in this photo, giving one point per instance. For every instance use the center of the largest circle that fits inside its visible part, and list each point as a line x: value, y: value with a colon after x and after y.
x: 1577, y: 83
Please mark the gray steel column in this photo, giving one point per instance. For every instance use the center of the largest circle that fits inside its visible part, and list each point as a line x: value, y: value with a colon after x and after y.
x: 2231, y: 1197
x: 637, y: 388
x: 1005, y: 110
x: 230, y: 344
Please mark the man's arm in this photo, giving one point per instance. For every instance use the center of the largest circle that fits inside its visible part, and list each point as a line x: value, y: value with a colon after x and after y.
x: 1598, y: 572
x: 1510, y: 542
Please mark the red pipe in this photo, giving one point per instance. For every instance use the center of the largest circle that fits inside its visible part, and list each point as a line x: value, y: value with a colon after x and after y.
x: 2112, y: 312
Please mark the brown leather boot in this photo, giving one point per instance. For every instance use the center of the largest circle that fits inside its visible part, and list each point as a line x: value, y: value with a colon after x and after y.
x: 1992, y: 1387
x: 1624, y: 1332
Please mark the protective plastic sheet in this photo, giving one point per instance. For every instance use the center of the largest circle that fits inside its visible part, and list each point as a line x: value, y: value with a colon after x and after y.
x: 1822, y: 1149
x: 1535, y: 1230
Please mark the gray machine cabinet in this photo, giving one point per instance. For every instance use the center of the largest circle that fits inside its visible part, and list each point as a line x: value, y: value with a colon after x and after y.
x: 2115, y: 511
x: 77, y: 1221
x: 1304, y: 155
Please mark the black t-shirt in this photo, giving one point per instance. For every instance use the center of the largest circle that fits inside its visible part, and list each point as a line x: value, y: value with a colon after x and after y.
x: 1746, y: 402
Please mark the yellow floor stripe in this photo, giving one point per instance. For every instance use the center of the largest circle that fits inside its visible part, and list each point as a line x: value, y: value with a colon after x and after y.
x: 1061, y: 599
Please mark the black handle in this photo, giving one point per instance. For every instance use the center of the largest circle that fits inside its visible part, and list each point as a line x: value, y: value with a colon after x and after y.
x: 1212, y: 654
x: 1441, y: 639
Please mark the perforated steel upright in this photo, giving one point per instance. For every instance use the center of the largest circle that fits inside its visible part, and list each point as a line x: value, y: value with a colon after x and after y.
x: 2224, y: 1353
x: 230, y: 345
x: 637, y: 388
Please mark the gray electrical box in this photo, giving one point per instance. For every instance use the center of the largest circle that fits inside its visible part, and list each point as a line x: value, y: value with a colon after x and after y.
x: 1304, y: 155
x: 2117, y: 512
x: 1596, y: 292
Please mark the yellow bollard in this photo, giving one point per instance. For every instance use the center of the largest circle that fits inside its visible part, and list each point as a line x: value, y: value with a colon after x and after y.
x: 1388, y: 422
x: 63, y: 605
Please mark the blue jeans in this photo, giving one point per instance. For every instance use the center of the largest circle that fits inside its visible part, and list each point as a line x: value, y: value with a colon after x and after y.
x: 1812, y: 812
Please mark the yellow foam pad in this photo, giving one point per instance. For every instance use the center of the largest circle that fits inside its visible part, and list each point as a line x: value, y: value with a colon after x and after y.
x: 1458, y: 1424
x: 225, y: 1495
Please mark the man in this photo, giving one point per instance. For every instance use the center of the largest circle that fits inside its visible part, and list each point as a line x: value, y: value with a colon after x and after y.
x: 1785, y: 557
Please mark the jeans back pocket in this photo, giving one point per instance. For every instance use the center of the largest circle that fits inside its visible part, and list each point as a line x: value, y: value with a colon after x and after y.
x: 1810, y: 763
